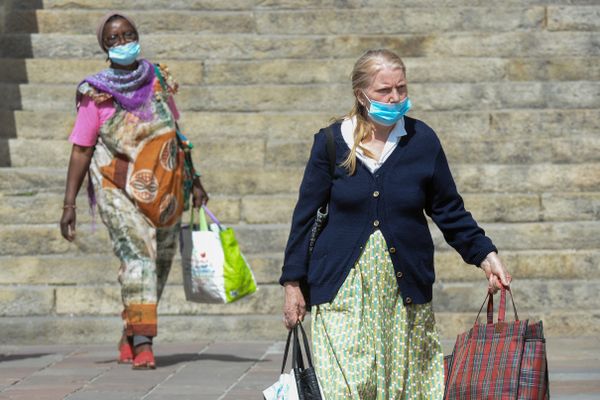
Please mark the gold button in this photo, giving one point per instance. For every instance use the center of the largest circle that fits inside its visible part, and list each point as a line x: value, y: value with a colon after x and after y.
x: 392, y: 250
x: 399, y: 274
x: 376, y: 193
x: 376, y: 222
x: 408, y: 300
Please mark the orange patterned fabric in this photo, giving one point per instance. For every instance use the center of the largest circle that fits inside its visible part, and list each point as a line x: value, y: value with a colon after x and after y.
x: 140, y: 319
x: 156, y: 181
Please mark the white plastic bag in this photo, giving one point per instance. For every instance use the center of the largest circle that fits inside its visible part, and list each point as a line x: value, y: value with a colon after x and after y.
x: 284, y: 389
x: 302, y: 379
x: 202, y: 259
x: 214, y: 268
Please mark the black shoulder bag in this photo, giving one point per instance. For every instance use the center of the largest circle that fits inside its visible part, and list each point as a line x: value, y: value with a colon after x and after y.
x: 306, y: 379
x: 323, y: 212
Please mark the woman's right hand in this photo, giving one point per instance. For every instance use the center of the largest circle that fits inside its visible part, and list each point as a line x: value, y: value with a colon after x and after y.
x: 78, y: 167
x: 67, y: 224
x: 294, y: 308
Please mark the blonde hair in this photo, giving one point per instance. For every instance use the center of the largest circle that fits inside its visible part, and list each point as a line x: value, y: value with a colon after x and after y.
x: 363, y: 73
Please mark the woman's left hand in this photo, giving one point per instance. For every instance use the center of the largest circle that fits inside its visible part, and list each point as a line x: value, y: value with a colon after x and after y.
x: 199, y: 195
x: 496, y: 273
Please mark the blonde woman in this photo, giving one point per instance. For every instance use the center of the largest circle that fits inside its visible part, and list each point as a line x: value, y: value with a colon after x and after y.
x: 371, y: 272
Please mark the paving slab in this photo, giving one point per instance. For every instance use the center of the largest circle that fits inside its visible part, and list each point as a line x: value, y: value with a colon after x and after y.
x: 219, y: 370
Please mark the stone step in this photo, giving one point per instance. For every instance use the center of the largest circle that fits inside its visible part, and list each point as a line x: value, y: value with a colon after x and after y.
x: 318, y: 21
x: 258, y: 153
x: 46, y: 239
x: 249, y: 153
x: 492, y: 178
x: 252, y: 46
x: 93, y: 300
x: 419, y: 69
x: 570, y: 149
x: 531, y: 296
x: 269, y: 4
x: 155, y: 21
x: 239, y: 181
x: 316, y: 97
x: 55, y: 71
x: 196, y: 125
x: 206, y: 5
x: 20, y: 240
x: 44, y: 208
x: 101, y: 269
x: 82, y: 330
x: 29, y: 181
x: 297, y: 22
x: 297, y: 71
x: 534, y: 124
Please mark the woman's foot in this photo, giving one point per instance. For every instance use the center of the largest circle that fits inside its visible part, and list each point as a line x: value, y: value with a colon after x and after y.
x: 144, y: 357
x: 125, y: 351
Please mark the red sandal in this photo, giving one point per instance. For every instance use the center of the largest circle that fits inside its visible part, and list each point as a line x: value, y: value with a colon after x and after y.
x: 125, y: 353
x: 144, y: 360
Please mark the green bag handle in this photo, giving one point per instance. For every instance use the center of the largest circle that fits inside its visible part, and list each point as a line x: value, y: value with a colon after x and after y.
x: 201, y: 216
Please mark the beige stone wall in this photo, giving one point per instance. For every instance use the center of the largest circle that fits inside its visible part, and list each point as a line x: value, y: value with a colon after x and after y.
x: 512, y: 89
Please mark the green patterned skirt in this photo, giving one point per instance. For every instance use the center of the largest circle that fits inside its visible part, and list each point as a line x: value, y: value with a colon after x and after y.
x: 368, y: 345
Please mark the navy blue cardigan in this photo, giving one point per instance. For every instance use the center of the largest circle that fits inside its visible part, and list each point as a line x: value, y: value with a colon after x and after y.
x: 415, y: 178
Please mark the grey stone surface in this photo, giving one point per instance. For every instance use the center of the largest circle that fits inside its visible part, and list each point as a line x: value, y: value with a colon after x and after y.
x: 511, y: 89
x: 314, y: 97
x: 219, y: 370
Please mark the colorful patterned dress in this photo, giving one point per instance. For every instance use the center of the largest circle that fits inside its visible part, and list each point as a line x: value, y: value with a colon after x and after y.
x: 368, y: 345
x: 137, y: 174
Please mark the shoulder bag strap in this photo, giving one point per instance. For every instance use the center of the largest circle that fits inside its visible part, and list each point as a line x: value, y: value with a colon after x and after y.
x: 330, y: 150
x: 160, y: 78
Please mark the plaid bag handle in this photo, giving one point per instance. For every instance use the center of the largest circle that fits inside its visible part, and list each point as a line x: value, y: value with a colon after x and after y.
x: 501, y: 308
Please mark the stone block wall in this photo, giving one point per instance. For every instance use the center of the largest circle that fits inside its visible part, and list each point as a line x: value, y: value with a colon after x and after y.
x: 512, y: 89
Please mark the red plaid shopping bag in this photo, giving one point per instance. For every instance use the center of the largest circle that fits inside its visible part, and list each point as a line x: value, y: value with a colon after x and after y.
x: 503, y: 360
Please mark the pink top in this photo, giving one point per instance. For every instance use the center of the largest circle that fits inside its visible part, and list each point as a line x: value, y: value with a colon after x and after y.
x: 91, y: 116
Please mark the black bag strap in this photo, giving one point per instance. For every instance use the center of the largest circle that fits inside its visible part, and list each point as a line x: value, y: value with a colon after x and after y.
x: 299, y: 348
x: 297, y: 361
x: 330, y: 150
x: 306, y: 347
x: 297, y: 357
x: 287, y: 349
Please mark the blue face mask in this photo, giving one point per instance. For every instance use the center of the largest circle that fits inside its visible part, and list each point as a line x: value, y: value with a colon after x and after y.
x: 387, y: 114
x: 125, y: 54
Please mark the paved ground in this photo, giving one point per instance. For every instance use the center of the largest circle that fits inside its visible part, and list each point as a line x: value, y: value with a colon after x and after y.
x: 217, y: 370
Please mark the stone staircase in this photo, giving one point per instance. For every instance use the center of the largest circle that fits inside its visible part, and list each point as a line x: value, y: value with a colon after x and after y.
x: 513, y: 90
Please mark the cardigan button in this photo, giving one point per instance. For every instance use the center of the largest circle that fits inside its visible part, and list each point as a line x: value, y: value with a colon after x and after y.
x: 376, y: 193
x: 399, y: 274
x: 376, y: 222
x: 408, y: 300
x: 392, y: 250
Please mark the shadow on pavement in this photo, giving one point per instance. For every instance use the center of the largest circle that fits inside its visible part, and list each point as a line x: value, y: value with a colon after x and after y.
x: 14, y: 357
x: 173, y: 359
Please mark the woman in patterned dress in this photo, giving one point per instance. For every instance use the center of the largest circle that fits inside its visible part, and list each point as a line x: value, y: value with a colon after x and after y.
x: 125, y: 137
x: 370, y: 274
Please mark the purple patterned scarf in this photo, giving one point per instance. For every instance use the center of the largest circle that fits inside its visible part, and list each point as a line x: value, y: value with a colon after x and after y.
x: 131, y: 89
